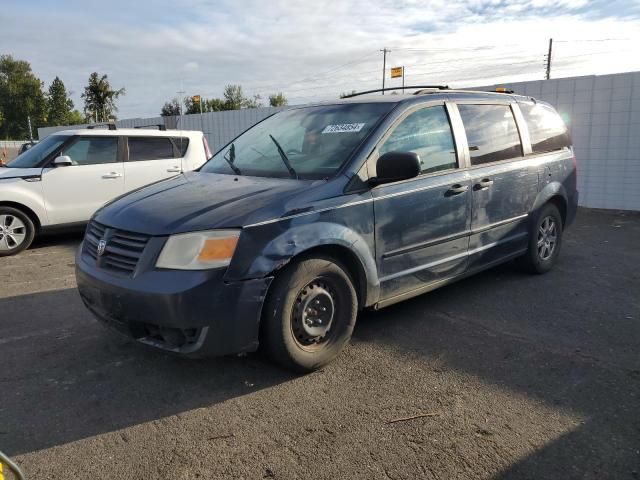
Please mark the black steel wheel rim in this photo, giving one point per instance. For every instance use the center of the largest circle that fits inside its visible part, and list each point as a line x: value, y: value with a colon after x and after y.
x: 314, y: 314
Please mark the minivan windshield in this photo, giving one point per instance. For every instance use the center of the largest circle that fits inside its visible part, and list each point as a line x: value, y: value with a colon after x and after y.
x: 304, y: 143
x: 36, y: 154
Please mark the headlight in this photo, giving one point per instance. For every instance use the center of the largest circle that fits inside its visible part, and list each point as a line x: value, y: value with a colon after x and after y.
x: 199, y: 250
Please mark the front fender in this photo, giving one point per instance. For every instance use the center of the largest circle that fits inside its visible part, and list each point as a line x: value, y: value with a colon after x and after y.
x: 17, y: 191
x: 269, y: 252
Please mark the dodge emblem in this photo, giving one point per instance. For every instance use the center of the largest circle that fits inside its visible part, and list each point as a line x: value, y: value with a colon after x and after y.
x: 102, y: 246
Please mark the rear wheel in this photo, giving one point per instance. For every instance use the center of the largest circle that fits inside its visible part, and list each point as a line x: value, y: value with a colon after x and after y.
x: 16, y: 231
x: 545, y: 241
x: 310, y: 314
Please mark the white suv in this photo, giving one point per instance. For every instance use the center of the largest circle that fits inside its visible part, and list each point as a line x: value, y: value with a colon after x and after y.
x: 66, y: 177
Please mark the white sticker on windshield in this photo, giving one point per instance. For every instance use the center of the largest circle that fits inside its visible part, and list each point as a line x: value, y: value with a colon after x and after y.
x: 343, y: 128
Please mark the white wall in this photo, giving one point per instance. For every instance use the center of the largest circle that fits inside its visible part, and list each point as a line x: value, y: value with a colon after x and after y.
x: 603, y: 115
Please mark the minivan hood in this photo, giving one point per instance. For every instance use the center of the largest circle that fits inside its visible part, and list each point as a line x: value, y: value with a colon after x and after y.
x: 6, y: 173
x: 198, y: 201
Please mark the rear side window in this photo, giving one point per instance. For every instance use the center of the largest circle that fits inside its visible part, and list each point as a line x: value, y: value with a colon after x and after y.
x: 426, y: 132
x: 492, y: 133
x: 181, y: 143
x: 546, y: 129
x: 150, y: 148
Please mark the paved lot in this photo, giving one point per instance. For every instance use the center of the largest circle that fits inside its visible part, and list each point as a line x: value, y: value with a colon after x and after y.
x: 525, y: 377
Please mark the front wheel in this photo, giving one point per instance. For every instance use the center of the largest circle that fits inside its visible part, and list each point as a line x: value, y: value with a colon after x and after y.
x: 16, y: 231
x: 545, y: 241
x: 310, y: 314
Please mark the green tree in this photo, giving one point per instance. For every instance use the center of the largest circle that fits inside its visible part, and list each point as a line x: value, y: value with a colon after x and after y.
x: 233, y: 97
x: 75, y: 118
x: 278, y: 100
x: 191, y: 107
x: 214, y: 105
x: 171, y: 108
x: 208, y: 105
x: 252, y: 102
x: 21, y: 97
x: 59, y: 104
x: 100, y: 98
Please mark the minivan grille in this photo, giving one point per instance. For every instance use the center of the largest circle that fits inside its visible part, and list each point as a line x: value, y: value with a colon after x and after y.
x: 123, y: 249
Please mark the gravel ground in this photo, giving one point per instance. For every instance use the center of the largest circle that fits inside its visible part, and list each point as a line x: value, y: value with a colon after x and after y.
x: 521, y: 377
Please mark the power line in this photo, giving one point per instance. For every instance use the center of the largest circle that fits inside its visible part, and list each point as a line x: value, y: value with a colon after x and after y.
x: 336, y: 86
x: 595, y: 40
x: 363, y: 78
x: 324, y: 89
x: 490, y: 58
x: 416, y: 72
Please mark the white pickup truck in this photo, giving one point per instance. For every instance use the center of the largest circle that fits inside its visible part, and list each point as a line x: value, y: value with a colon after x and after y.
x: 65, y: 178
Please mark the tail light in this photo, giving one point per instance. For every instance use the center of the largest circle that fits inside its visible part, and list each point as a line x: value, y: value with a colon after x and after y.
x: 207, y: 151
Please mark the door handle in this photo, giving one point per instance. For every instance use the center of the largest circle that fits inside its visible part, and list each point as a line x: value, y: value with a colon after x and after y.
x: 174, y: 170
x: 112, y: 175
x: 483, y: 184
x: 456, y: 189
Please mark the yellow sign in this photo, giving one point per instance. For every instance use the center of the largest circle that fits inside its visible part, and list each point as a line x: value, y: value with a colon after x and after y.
x: 196, y: 99
x: 397, y: 72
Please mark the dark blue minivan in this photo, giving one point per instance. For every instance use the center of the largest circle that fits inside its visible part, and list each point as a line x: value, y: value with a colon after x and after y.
x: 320, y: 211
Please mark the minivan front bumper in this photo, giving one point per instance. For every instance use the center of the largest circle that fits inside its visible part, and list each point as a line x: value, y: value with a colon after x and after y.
x: 194, y: 313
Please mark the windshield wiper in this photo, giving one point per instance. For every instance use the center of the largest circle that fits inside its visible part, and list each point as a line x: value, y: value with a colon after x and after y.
x: 285, y: 159
x: 232, y: 154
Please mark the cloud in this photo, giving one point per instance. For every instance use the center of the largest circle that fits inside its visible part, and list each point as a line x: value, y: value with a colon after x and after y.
x: 311, y: 50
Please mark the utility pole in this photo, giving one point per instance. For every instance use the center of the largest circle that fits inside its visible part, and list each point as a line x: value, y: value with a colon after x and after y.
x: 30, y: 131
x: 181, y: 97
x: 548, y: 74
x: 384, y: 65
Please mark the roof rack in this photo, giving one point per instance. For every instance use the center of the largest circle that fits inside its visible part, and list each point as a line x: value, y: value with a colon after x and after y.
x: 432, y: 87
x: 160, y: 126
x: 109, y: 125
x: 503, y: 90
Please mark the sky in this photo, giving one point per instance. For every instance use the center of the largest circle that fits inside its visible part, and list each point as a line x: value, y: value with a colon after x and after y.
x: 311, y: 50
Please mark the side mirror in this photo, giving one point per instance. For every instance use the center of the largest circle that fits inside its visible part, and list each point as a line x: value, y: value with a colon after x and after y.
x: 396, y: 166
x: 63, y: 161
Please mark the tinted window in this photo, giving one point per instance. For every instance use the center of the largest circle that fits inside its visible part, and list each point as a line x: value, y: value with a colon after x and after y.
x: 181, y: 143
x: 491, y: 133
x: 307, y: 142
x: 93, y: 150
x: 546, y: 129
x: 426, y: 132
x: 150, y: 148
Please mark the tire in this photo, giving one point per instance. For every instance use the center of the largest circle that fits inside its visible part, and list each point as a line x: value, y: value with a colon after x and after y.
x: 544, y: 248
x: 16, y: 231
x: 309, y: 315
